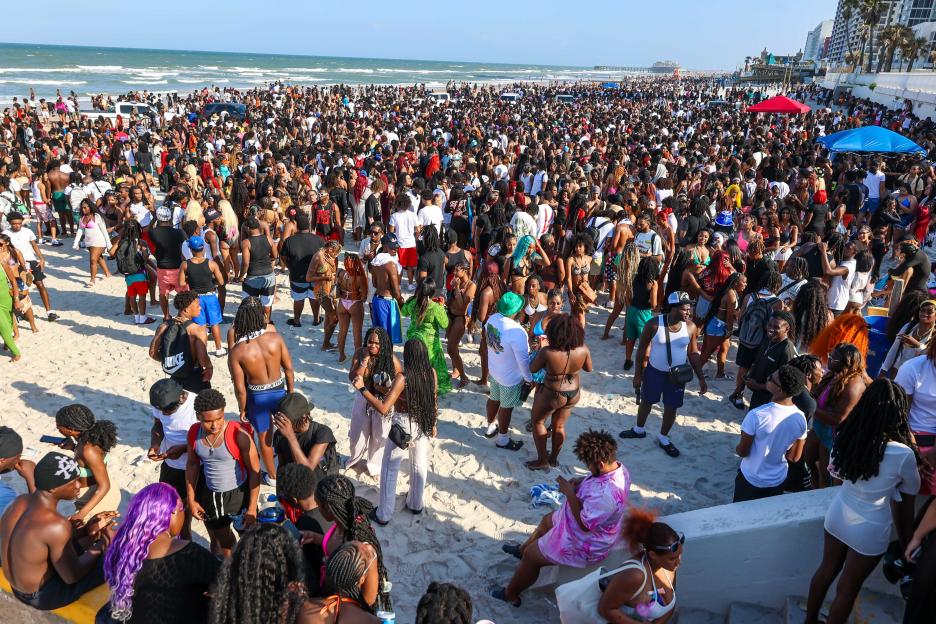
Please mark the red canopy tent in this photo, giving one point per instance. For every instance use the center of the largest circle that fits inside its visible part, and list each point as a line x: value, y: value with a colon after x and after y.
x: 779, y: 104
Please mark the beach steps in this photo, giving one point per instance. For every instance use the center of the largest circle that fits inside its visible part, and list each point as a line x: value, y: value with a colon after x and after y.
x: 871, y: 608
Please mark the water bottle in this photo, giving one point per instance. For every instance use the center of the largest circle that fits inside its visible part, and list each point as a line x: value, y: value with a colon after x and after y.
x: 271, y: 511
x: 386, y: 617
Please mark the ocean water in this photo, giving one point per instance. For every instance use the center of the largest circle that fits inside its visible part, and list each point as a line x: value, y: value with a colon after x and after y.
x: 90, y: 70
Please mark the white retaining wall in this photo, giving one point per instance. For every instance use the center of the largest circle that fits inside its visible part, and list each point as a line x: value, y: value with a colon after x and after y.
x: 891, y: 89
x: 757, y: 552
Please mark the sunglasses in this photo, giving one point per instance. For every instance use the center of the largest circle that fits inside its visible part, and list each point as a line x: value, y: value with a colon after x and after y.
x: 674, y: 547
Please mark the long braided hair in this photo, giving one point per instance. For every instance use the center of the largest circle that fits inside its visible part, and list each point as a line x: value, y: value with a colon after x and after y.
x: 336, y: 494
x: 249, y: 317
x: 420, y: 385
x: 343, y: 572
x: 852, y: 366
x: 489, y: 279
x: 879, y: 417
x: 100, y: 433
x: 262, y: 582
x: 444, y: 602
x: 384, y: 361
x: 630, y: 258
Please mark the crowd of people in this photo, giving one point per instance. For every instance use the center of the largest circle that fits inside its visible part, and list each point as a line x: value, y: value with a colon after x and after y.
x: 512, y: 224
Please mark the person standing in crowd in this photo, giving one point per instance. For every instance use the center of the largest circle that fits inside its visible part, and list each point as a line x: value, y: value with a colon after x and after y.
x: 917, y: 377
x: 203, y: 277
x: 40, y: 547
x: 262, y: 372
x: 173, y: 415
x: 9, y: 301
x: 771, y: 435
x: 323, y: 276
x: 461, y: 293
x: 181, y: 345
x: 222, y: 472
x: 412, y: 401
x: 561, y: 388
x: 297, y: 252
x: 154, y: 574
x: 876, y: 457
x: 93, y: 233
x: 640, y: 309
x: 509, y: 360
x: 427, y: 318
x: 666, y: 343
x: 776, y: 350
x: 403, y: 223
x: 132, y: 253
x: 258, y: 254
x: 167, y: 243
x: 24, y: 241
x: 912, y: 338
x: 386, y: 273
x: 582, y: 531
x: 352, y: 295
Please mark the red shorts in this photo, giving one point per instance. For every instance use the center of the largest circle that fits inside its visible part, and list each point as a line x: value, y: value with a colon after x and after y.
x: 407, y: 257
x: 168, y: 280
x: 137, y: 289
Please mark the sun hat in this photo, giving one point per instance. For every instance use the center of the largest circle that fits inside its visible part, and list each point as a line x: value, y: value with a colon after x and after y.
x: 510, y: 303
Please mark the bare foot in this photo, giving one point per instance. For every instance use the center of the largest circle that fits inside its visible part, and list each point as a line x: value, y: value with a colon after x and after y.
x: 605, y: 337
x: 554, y: 462
x: 342, y: 357
x: 537, y: 465
x: 329, y: 347
x: 15, y: 358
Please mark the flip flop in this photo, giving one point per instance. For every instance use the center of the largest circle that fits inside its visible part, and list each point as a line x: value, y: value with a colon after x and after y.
x: 512, y: 445
x: 513, y: 550
x: 499, y: 593
x: 531, y: 465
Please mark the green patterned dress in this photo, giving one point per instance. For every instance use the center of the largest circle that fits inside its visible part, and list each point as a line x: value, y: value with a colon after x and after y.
x: 427, y: 329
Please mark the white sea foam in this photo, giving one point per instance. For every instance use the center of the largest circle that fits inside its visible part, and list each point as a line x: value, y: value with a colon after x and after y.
x: 102, y: 69
x: 33, y: 81
x: 36, y: 70
x: 145, y: 82
x: 353, y: 70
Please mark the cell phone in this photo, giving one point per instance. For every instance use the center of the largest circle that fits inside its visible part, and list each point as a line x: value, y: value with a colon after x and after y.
x: 52, y: 439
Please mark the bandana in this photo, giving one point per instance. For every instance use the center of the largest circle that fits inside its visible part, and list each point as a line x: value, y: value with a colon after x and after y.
x: 54, y: 470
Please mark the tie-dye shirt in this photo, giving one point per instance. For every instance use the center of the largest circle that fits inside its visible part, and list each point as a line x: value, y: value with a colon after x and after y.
x: 604, y: 507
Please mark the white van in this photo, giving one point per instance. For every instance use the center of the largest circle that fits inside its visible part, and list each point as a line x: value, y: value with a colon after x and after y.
x: 565, y: 98
x: 509, y: 96
x: 439, y: 98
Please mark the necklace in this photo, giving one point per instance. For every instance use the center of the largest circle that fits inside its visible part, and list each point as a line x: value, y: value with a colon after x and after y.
x: 218, y: 438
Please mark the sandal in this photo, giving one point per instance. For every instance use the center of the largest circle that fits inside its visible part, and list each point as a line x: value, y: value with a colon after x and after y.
x: 513, y: 550
x: 293, y: 323
x: 512, y: 445
x: 500, y: 594
x: 533, y: 465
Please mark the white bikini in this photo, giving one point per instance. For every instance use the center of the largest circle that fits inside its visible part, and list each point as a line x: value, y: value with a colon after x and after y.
x: 652, y: 610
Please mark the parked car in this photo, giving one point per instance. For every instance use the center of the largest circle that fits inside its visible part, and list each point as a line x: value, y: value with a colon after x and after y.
x: 235, y: 110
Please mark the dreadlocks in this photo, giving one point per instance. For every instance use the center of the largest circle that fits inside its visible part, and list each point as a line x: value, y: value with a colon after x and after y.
x: 879, y: 417
x: 811, y: 310
x: 384, y: 361
x: 336, y: 494
x: 420, y: 386
x: 262, y: 582
x: 444, y: 603
x: 100, y: 433
x: 249, y: 318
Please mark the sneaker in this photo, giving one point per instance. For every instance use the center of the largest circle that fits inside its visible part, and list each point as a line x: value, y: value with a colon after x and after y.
x: 630, y: 434
x: 512, y: 445
x: 268, y: 480
x: 669, y: 449
x: 628, y: 364
x: 56, y: 243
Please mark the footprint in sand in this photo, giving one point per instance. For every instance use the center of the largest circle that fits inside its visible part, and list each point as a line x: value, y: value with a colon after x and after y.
x: 707, y: 488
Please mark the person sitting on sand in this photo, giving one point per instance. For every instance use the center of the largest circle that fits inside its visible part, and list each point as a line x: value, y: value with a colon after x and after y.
x: 11, y: 458
x: 153, y: 574
x: 352, y: 582
x: 40, y: 548
x: 91, y: 440
x: 563, y: 359
x: 582, y: 531
x: 262, y: 373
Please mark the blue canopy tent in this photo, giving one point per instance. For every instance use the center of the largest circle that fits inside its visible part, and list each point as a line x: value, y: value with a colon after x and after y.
x: 870, y: 139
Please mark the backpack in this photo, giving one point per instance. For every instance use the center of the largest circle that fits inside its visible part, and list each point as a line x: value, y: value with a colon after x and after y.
x: 128, y: 257
x: 15, y: 204
x: 176, y: 352
x: 593, y: 231
x: 230, y: 442
x: 753, y: 325
x: 323, y: 218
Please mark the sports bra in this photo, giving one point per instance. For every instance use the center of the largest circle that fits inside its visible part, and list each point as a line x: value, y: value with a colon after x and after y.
x: 654, y: 609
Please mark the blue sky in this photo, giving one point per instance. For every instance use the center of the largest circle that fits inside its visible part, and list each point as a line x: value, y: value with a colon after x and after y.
x: 700, y: 34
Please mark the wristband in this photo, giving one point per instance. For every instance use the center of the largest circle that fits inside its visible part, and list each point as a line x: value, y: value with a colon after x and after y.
x: 361, y: 390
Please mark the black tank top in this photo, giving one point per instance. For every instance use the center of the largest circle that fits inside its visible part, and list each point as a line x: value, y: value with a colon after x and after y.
x: 641, y: 296
x: 261, y: 263
x: 199, y: 277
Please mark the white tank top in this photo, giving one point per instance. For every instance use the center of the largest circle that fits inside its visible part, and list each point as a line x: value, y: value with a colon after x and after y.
x: 679, y: 345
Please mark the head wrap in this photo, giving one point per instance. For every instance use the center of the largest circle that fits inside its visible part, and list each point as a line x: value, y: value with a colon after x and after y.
x: 55, y: 470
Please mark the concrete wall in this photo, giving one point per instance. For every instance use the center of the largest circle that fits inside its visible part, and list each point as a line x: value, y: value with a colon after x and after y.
x: 891, y: 89
x: 758, y: 552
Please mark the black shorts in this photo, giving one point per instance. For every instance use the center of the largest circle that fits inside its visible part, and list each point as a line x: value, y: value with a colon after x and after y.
x: 744, y: 491
x: 745, y: 356
x: 37, y: 273
x: 174, y: 477
x: 56, y: 593
x: 221, y: 507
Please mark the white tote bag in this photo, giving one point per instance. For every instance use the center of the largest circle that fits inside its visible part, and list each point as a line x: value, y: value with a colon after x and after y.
x: 578, y: 599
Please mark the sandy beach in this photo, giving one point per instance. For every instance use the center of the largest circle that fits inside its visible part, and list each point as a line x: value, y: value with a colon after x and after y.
x: 477, y: 495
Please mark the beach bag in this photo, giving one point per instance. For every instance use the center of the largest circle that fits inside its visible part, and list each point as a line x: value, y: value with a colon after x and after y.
x: 13, y: 203
x: 230, y: 442
x: 323, y: 218
x: 678, y: 375
x: 399, y: 436
x: 176, y: 352
x: 578, y: 600
x: 753, y: 326
x: 128, y: 257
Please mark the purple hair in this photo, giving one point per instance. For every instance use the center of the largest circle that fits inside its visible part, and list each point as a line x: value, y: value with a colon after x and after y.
x: 148, y: 515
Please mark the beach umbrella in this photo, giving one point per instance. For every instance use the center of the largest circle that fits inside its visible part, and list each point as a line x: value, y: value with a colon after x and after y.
x: 779, y: 104
x: 870, y: 139
x: 122, y: 136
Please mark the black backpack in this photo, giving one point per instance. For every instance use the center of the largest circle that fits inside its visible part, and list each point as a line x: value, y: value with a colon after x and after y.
x: 753, y: 325
x: 176, y: 351
x: 128, y: 257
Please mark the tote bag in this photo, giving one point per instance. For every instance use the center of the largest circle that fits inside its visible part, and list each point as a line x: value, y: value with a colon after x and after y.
x: 578, y: 599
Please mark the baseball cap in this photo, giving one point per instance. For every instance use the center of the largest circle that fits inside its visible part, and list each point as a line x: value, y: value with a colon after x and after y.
x: 164, y: 213
x: 196, y: 243
x: 211, y: 215
x: 389, y: 242
x: 294, y: 406
x: 165, y: 393
x: 678, y: 298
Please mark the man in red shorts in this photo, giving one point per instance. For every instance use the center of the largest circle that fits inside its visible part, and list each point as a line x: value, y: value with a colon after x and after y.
x: 403, y: 224
x: 168, y: 243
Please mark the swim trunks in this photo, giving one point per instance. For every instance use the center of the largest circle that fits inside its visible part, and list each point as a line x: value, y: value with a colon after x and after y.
x: 386, y: 313
x: 60, y: 202
x: 262, y: 401
x: 210, y: 314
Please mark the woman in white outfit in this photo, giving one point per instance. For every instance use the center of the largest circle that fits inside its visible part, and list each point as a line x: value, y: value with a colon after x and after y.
x: 376, y: 365
x: 876, y: 457
x: 412, y: 401
x: 93, y: 230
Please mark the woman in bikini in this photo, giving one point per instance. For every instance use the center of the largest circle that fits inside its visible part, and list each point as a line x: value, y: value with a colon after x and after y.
x: 563, y: 360
x: 527, y: 258
x: 461, y: 292
x: 581, y: 294
x: 719, y: 322
x: 352, y: 293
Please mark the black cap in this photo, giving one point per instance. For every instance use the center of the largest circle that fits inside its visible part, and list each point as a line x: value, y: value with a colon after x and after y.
x: 294, y: 406
x: 389, y: 242
x: 165, y: 393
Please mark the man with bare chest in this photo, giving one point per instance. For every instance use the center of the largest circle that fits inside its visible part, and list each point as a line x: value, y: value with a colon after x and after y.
x: 385, y: 273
